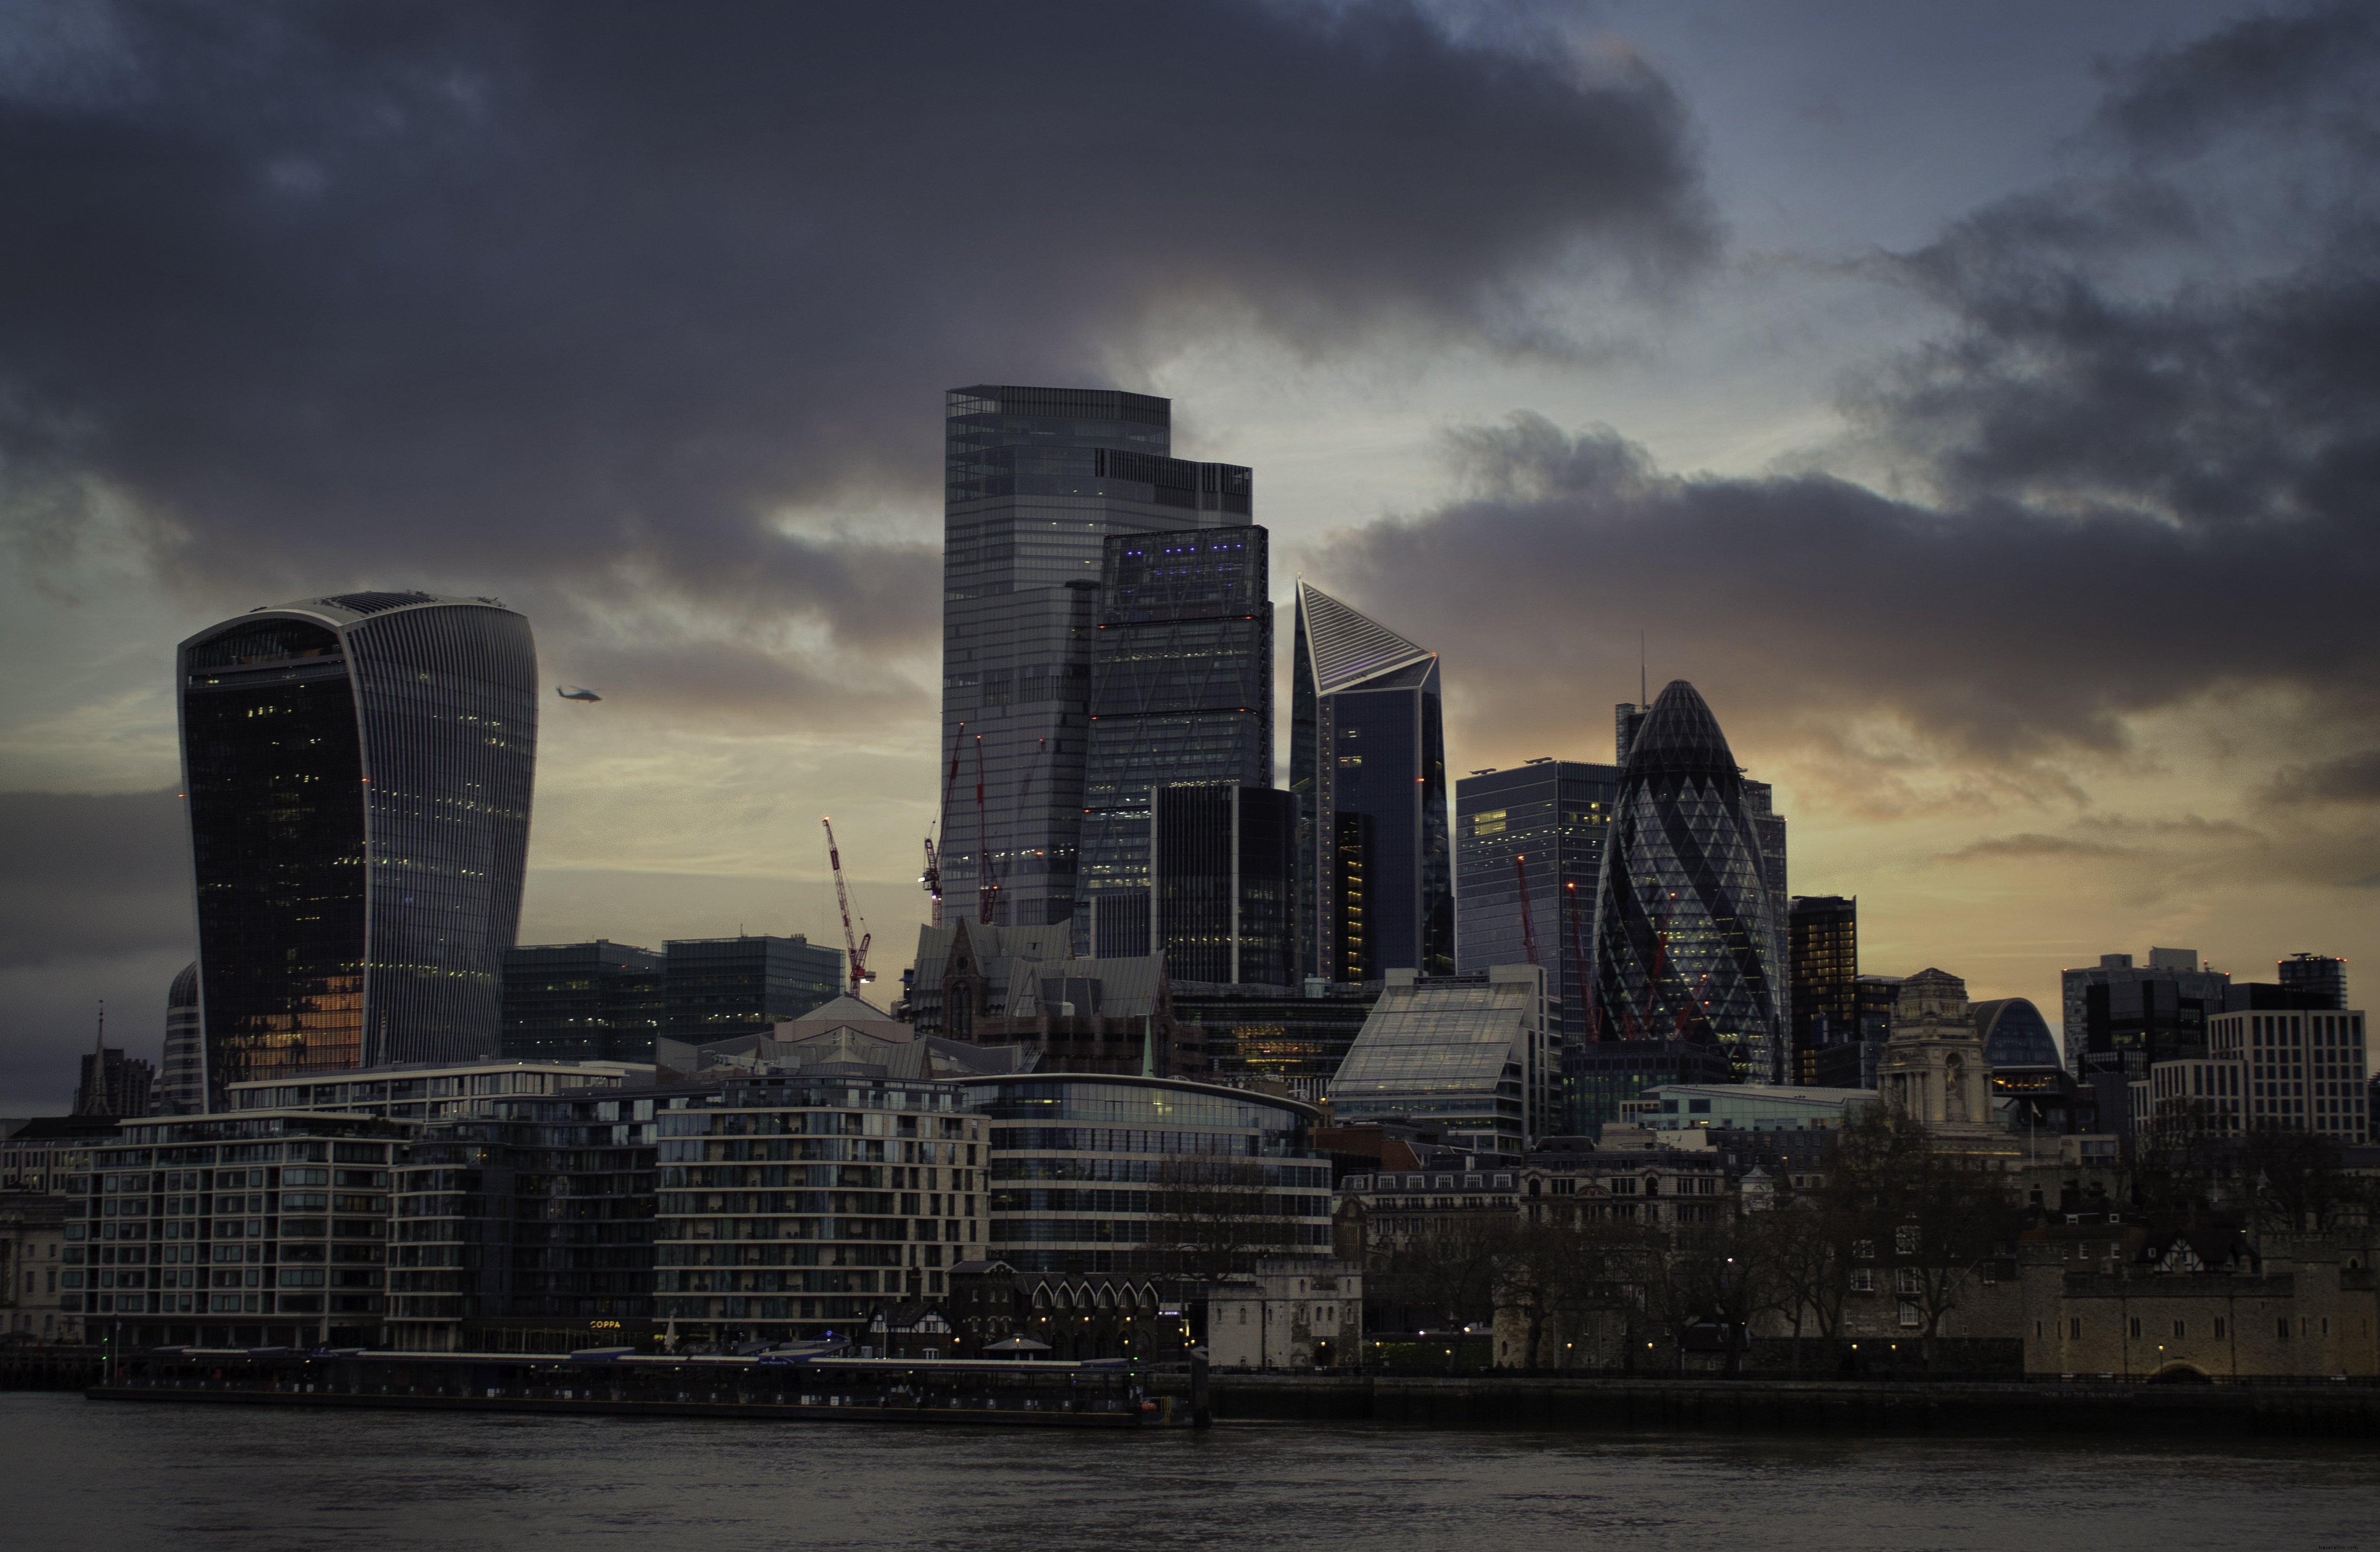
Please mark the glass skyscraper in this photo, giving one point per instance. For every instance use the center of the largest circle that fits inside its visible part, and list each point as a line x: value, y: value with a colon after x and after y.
x: 1224, y: 885
x: 1541, y: 825
x: 1181, y: 693
x: 357, y: 770
x: 1687, y: 944
x: 1823, y: 958
x: 1369, y: 765
x: 1036, y: 480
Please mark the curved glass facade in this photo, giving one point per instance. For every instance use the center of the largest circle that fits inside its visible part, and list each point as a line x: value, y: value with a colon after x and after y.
x: 1685, y: 940
x: 2015, y: 1034
x: 358, y: 774
x: 1101, y: 1174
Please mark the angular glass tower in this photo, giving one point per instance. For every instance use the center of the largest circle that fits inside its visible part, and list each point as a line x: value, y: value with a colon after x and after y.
x: 358, y: 771
x: 1036, y: 480
x: 1181, y: 692
x: 1367, y: 763
x: 1686, y: 942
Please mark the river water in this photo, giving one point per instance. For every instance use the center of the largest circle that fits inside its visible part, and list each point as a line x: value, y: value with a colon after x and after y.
x: 129, y: 1476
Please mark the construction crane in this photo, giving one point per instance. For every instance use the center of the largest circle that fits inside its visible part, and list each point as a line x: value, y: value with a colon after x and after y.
x: 1529, y: 923
x: 987, y: 890
x: 932, y: 877
x: 856, y: 944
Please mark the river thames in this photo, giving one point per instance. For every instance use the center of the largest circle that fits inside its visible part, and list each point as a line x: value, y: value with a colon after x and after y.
x: 130, y: 1476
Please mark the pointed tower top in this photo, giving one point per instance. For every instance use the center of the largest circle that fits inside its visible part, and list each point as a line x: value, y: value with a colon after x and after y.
x: 1679, y: 734
x: 1347, y: 647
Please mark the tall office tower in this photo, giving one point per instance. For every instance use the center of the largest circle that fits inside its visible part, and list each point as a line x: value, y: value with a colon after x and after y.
x: 1181, y: 693
x: 1824, y: 960
x: 598, y: 1001
x: 2318, y: 974
x: 358, y: 771
x: 1367, y: 762
x: 1224, y: 885
x: 111, y: 1084
x: 1535, y: 831
x: 1685, y: 943
x: 715, y: 989
x: 182, y: 1081
x: 1767, y: 825
x: 1036, y: 479
x: 2156, y: 1022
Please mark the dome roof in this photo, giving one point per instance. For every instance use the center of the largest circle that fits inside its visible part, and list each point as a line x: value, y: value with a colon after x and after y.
x: 2015, y: 1034
x: 186, y: 988
x: 1679, y: 735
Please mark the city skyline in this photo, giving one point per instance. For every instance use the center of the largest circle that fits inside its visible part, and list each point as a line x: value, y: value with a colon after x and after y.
x: 1781, y: 387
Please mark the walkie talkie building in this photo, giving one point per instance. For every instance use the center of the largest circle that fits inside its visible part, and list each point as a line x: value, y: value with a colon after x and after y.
x: 358, y: 773
x: 1685, y: 934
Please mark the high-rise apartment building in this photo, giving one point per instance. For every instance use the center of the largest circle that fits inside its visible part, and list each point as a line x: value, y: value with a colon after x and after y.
x: 1528, y: 847
x: 1375, y: 890
x: 1823, y: 954
x: 1687, y: 941
x: 1223, y: 888
x: 598, y: 1001
x: 358, y: 771
x: 1036, y: 481
x: 1181, y: 693
x: 2319, y: 974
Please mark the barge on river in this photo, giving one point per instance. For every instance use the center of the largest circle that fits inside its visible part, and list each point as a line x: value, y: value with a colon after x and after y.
x: 1011, y: 1392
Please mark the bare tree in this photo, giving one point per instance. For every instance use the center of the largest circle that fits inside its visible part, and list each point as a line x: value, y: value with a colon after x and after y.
x: 1215, y: 1216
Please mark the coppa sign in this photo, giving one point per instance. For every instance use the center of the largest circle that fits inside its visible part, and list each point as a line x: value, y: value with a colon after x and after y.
x: 602, y: 1325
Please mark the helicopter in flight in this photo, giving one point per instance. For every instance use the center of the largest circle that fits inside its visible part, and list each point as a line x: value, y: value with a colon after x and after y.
x: 572, y: 692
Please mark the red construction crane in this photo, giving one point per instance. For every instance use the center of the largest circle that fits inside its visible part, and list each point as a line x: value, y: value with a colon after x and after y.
x: 932, y: 877
x: 855, y: 944
x: 1529, y: 923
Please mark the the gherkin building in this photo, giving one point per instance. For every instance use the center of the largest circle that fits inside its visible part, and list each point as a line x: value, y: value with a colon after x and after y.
x: 1686, y: 944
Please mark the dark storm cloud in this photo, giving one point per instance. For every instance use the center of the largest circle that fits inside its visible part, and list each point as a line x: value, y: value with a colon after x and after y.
x: 2134, y: 477
x: 585, y: 292
x: 84, y: 876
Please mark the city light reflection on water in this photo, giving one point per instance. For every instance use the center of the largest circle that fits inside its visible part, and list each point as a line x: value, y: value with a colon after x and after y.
x: 128, y: 1476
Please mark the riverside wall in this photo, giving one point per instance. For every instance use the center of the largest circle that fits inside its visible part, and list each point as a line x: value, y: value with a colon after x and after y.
x: 1798, y: 1406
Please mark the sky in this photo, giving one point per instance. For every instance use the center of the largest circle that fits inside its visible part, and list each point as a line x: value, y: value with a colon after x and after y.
x: 1979, y: 403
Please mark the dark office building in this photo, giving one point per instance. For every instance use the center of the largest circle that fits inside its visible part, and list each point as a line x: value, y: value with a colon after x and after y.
x: 1375, y: 888
x: 111, y: 1084
x: 715, y: 989
x: 530, y: 1231
x: 2320, y: 975
x: 1852, y: 1063
x: 1181, y: 693
x: 1528, y: 845
x: 1823, y: 952
x: 359, y: 772
x: 1294, y: 1035
x: 2189, y: 975
x: 1686, y: 940
x: 1036, y: 480
x: 1225, y: 886
x: 2133, y: 1023
x: 598, y: 1001
x: 1603, y: 1074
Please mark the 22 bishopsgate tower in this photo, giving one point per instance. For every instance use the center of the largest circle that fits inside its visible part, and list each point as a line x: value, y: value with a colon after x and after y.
x: 357, y: 770
x: 1038, y: 481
